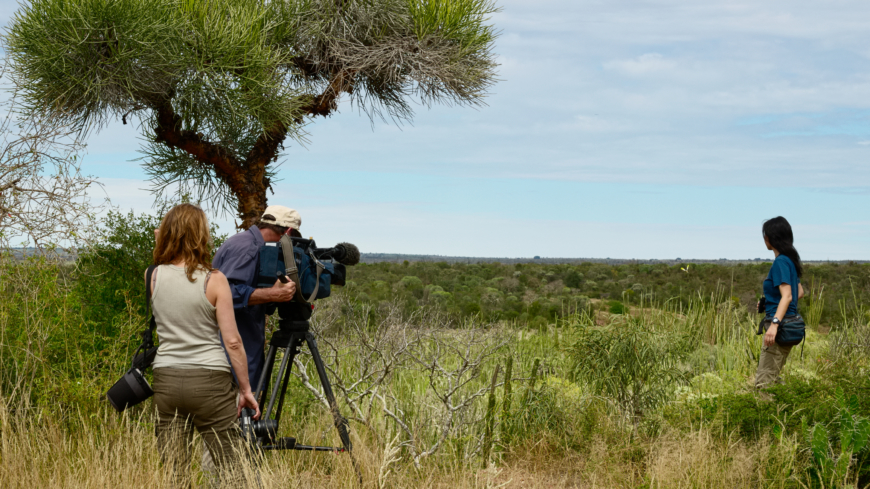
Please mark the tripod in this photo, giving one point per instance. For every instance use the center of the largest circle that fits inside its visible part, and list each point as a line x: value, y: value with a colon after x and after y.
x: 293, y: 331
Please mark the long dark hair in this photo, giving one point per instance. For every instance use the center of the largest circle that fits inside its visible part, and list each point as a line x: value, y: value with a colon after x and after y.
x: 779, y: 235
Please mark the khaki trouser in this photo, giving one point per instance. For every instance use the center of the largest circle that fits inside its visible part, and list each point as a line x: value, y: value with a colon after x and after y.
x: 770, y: 364
x: 209, y: 469
x: 204, y: 400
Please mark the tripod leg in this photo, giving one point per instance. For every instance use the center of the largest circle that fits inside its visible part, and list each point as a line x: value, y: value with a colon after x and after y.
x: 340, y: 421
x: 291, y: 352
x: 263, y: 383
x: 281, y: 370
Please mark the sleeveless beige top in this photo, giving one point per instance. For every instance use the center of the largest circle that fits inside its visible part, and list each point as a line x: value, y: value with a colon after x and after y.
x: 186, y: 322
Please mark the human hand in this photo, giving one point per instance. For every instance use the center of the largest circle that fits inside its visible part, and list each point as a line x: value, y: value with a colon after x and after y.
x: 246, y: 400
x: 283, y: 292
x: 770, y: 335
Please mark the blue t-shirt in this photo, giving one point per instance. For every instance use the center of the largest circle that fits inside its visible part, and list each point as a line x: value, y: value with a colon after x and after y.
x: 783, y: 271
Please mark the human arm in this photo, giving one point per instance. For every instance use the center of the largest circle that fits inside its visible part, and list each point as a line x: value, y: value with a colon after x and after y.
x: 239, y: 265
x: 800, y: 291
x: 218, y: 292
x: 781, y: 309
x: 280, y: 292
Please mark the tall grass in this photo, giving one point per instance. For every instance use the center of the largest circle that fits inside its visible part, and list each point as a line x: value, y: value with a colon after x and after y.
x: 417, y: 391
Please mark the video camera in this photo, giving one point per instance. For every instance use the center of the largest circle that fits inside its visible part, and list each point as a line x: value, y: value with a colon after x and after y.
x: 313, y: 269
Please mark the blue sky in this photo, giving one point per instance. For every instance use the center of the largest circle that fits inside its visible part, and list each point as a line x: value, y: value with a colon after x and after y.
x: 630, y: 129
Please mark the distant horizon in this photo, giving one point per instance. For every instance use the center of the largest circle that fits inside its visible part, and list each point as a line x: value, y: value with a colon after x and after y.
x: 377, y: 257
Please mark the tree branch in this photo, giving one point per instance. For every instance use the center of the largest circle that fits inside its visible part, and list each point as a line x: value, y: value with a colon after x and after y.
x: 167, y: 130
x: 326, y: 102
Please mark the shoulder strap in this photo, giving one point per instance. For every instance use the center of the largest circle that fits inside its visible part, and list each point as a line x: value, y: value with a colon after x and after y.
x: 320, y: 268
x: 290, y: 267
x: 146, y: 352
x: 148, y: 334
x: 293, y: 273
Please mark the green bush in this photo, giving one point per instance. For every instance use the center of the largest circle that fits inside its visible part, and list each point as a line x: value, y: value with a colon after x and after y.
x: 110, y: 273
x: 574, y: 279
x: 51, y: 353
x: 831, y: 464
x: 630, y: 363
x: 616, y: 307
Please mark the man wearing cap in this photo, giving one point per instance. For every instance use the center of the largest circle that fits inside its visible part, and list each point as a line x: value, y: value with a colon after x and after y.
x: 237, y: 259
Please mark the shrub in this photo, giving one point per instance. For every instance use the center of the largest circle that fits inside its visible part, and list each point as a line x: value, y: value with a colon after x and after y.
x: 831, y: 469
x: 629, y: 363
x: 617, y: 307
x: 574, y: 279
x: 110, y: 273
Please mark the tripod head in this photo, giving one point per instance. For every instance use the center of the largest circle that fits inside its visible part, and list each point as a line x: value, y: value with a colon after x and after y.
x: 293, y: 312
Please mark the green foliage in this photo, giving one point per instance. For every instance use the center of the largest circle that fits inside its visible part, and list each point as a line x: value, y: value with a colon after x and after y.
x: 574, y: 279
x: 489, y: 419
x: 751, y: 416
x: 507, y: 402
x: 51, y: 355
x: 110, y: 274
x: 630, y: 363
x: 220, y: 84
x: 832, y: 469
x: 617, y: 307
x: 523, y: 292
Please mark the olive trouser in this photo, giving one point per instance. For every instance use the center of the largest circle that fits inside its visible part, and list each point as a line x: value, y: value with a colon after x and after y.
x: 204, y: 400
x: 770, y: 364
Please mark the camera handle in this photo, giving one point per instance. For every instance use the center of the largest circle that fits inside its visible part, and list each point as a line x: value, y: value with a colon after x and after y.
x: 289, y: 338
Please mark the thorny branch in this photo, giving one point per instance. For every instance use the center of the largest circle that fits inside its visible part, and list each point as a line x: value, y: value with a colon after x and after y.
x: 363, y: 359
x: 44, y: 197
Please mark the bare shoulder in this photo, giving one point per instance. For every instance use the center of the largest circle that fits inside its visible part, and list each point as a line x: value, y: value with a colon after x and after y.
x: 216, y: 274
x: 217, y: 278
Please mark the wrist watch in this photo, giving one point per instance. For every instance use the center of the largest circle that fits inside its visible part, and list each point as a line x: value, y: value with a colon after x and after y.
x: 775, y: 321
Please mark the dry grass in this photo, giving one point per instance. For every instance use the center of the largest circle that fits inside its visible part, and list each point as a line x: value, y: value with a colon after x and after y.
x: 699, y: 459
x: 104, y: 450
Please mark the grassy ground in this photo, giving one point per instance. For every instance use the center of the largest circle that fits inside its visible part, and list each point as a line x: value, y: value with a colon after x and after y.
x: 657, y: 396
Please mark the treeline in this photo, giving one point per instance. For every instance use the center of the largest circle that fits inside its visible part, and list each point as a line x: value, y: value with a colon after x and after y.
x: 109, y: 280
x: 540, y: 293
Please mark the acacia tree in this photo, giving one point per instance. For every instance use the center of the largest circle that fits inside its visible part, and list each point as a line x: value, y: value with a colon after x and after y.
x: 217, y: 86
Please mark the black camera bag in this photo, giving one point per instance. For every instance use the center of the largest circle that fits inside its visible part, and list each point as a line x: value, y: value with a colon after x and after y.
x: 791, y: 331
x: 133, y: 387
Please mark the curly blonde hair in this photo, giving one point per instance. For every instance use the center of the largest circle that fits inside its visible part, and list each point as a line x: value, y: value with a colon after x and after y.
x: 184, y: 235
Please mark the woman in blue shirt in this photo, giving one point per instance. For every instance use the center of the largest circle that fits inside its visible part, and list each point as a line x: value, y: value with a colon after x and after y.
x: 782, y: 289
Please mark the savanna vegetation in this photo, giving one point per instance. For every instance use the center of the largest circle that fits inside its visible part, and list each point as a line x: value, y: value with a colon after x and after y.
x: 467, y: 376
x: 464, y: 375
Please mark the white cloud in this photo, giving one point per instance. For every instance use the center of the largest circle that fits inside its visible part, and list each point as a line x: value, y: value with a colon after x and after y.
x: 641, y: 65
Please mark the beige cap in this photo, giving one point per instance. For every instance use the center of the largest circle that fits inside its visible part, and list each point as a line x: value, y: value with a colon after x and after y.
x: 283, y: 216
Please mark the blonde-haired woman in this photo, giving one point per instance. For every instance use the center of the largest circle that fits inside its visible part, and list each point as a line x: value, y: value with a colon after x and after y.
x: 193, y: 383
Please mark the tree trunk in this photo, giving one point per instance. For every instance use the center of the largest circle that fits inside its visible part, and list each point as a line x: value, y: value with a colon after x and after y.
x: 246, y: 179
x: 252, y: 197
